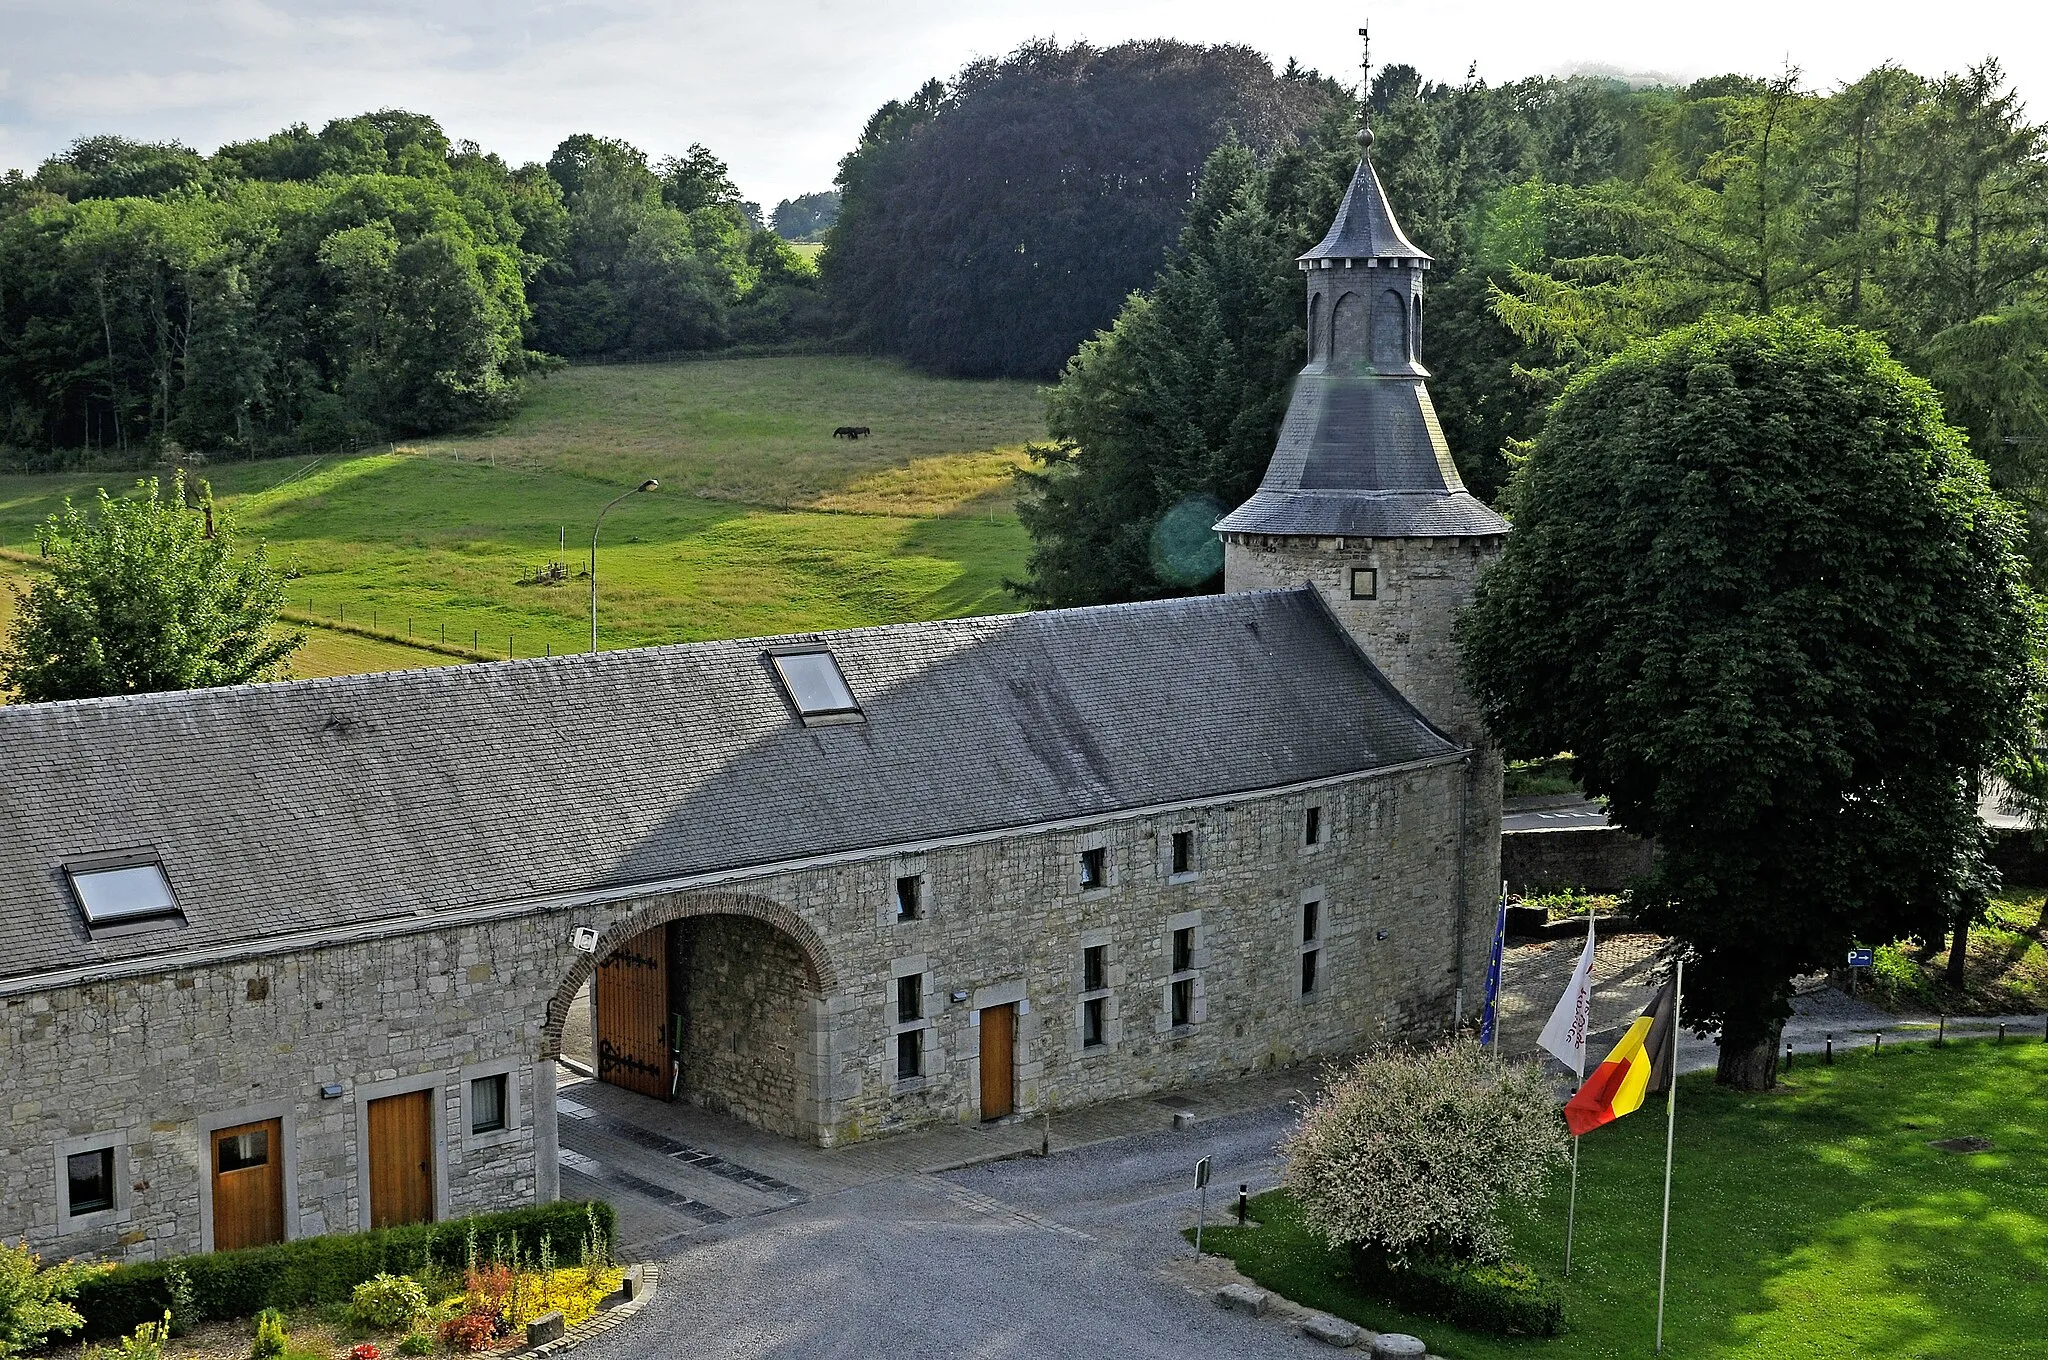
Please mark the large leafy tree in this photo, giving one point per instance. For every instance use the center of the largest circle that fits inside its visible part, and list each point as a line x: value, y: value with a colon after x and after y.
x: 989, y: 225
x: 1760, y: 589
x: 144, y: 593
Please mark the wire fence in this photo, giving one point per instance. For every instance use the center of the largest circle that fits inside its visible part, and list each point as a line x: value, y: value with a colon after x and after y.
x: 430, y: 634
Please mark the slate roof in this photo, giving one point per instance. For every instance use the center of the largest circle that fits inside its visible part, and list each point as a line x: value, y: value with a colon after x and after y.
x: 287, y: 807
x: 1362, y: 455
x: 1365, y: 228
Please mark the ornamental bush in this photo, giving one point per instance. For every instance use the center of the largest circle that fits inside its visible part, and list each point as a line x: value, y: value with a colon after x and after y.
x: 32, y: 1299
x: 387, y: 1301
x: 272, y: 1340
x: 1416, y: 1152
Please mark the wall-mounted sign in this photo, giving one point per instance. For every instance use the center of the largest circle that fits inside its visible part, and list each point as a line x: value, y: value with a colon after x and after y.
x: 585, y: 939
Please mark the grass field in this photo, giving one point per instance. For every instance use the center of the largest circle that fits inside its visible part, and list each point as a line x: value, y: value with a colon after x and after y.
x: 764, y: 522
x: 1815, y: 1222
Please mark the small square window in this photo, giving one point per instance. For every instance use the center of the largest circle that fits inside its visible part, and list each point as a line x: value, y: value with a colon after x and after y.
x: 1094, y: 968
x: 1308, y: 970
x: 1183, y: 949
x: 1183, y: 1003
x: 1311, y: 922
x: 487, y: 1104
x: 909, y: 1054
x: 1183, y: 852
x: 1093, y: 1012
x: 910, y: 998
x: 1312, y: 827
x: 1365, y: 583
x: 91, y: 1181
x: 1092, y: 868
x: 240, y: 1151
x: 909, y: 897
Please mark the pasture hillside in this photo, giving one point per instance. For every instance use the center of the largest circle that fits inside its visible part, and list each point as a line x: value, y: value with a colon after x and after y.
x: 764, y: 522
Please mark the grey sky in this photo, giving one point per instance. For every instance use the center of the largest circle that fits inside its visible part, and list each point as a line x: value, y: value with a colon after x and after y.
x: 781, y: 90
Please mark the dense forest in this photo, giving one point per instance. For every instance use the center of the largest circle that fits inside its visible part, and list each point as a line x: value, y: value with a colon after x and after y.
x: 369, y: 280
x: 989, y: 224
x: 1566, y: 218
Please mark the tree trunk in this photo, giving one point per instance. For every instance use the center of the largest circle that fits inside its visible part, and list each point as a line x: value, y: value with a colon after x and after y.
x: 1958, y: 951
x: 1752, y: 1066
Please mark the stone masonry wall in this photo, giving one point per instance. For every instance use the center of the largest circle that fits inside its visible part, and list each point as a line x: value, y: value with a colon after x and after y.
x: 155, y: 1062
x: 744, y: 999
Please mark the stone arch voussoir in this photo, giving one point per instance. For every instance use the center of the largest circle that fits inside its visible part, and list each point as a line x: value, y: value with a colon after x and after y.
x: 819, y: 974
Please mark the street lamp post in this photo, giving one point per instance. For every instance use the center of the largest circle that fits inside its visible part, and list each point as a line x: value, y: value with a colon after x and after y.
x: 647, y: 485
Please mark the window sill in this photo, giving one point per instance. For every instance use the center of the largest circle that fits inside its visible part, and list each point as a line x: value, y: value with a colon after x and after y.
x: 906, y: 1086
x: 491, y: 1138
x: 97, y: 1218
x: 1191, y: 876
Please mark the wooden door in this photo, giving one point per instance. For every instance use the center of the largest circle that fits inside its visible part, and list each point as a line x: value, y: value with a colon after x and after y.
x: 998, y: 1061
x: 248, y: 1185
x: 402, y: 1159
x: 632, y: 1023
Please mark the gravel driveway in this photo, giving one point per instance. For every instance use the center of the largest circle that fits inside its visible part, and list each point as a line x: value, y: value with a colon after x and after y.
x: 1070, y: 1256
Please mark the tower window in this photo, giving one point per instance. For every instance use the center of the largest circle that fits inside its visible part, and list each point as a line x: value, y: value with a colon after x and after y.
x: 1312, y: 827
x: 1183, y: 1003
x: 1183, y: 852
x: 1093, y: 869
x: 909, y: 1054
x: 910, y: 998
x: 909, y: 897
x: 1093, y: 1011
x: 1365, y: 583
x: 1183, y: 949
x: 1094, y: 968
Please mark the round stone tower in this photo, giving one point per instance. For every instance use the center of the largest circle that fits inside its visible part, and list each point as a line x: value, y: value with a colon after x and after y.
x: 1362, y: 500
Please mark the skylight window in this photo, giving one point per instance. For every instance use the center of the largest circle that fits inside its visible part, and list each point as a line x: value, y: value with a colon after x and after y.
x: 124, y: 895
x: 816, y: 686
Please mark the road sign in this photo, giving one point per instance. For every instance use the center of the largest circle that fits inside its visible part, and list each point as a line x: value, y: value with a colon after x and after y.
x: 1201, y: 1214
x: 1862, y: 958
x: 1202, y: 1174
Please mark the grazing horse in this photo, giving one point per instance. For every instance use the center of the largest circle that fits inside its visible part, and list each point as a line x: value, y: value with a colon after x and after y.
x: 852, y: 432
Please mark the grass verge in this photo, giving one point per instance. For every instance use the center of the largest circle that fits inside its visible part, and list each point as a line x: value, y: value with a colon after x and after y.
x: 1817, y: 1221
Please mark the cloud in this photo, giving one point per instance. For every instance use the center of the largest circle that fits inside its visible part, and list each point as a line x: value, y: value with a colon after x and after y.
x: 781, y: 92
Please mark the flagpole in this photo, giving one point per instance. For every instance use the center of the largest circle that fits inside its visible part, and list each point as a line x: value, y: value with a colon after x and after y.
x: 1571, y: 1213
x: 1670, y: 1132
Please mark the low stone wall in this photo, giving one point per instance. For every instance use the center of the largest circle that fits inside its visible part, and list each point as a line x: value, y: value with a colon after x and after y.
x: 2019, y: 857
x: 1602, y: 859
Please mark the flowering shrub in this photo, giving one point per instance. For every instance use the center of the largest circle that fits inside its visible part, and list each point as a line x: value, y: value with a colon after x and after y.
x: 388, y: 1301
x: 469, y: 1332
x: 1416, y: 1151
x: 366, y: 1351
x: 33, y: 1298
x: 272, y: 1341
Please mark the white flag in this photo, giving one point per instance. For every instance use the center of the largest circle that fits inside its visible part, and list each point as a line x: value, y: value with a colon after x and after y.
x: 1565, y: 1035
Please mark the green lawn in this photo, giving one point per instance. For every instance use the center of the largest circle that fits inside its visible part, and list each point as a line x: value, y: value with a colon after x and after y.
x: 764, y: 523
x: 1815, y: 1222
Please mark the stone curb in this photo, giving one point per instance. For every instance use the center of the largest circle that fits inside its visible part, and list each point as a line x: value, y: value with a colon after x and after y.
x: 600, y: 1323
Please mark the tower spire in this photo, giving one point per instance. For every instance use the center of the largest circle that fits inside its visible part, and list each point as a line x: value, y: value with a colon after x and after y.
x: 1365, y: 90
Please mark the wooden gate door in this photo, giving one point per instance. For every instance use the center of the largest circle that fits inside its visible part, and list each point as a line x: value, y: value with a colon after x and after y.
x: 632, y: 1015
x: 402, y: 1159
x: 248, y: 1185
x: 998, y: 1061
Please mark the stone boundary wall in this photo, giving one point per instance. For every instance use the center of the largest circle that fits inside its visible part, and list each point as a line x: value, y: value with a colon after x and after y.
x: 1602, y: 859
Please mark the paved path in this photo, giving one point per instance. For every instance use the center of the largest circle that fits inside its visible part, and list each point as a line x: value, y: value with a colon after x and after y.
x: 1552, y: 812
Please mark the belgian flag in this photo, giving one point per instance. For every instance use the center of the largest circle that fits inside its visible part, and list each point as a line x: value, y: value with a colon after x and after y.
x: 1641, y: 1064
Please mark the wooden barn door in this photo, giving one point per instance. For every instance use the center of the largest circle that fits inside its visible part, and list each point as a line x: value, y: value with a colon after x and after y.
x: 402, y: 1159
x: 248, y: 1185
x: 998, y: 1061
x: 631, y: 997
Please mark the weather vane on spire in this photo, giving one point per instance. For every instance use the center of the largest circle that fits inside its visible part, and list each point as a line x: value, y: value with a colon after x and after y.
x: 1365, y: 88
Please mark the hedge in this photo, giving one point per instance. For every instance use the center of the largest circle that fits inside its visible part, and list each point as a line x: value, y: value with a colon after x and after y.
x: 1504, y: 1300
x: 237, y: 1284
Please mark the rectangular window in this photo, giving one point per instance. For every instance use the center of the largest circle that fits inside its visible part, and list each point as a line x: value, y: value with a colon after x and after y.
x: 1312, y: 827
x: 1311, y: 922
x: 130, y: 895
x: 1092, y: 1012
x: 91, y: 1178
x: 909, y: 1054
x: 909, y: 898
x: 1092, y: 868
x: 910, y: 998
x: 244, y: 1150
x: 1365, y: 583
x: 1094, y: 968
x: 1183, y: 949
x: 1308, y: 970
x: 815, y: 685
x: 487, y: 1104
x: 1183, y: 852
x: 1183, y: 1002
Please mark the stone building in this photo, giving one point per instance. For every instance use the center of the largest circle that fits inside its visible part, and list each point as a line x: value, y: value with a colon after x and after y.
x: 286, y: 959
